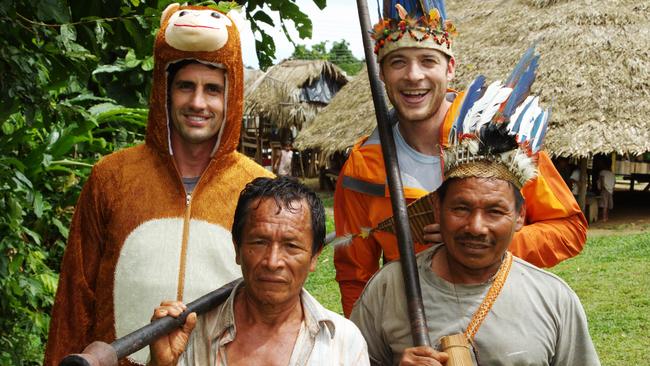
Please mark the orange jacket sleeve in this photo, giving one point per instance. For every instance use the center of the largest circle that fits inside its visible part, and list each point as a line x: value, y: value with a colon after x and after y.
x: 555, y: 228
x: 73, y: 313
x: 356, y: 262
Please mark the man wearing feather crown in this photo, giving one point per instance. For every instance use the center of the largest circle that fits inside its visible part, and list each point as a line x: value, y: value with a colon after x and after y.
x: 483, y: 305
x: 413, y: 44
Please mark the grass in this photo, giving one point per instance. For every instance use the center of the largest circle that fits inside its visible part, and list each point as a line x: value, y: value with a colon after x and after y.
x: 612, y: 280
x: 611, y: 276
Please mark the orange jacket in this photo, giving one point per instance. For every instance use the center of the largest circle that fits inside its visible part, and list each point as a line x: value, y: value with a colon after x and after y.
x: 555, y: 227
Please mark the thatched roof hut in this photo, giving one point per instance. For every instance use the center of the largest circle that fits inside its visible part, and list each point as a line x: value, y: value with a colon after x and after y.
x: 292, y: 92
x: 594, y: 70
x: 350, y: 115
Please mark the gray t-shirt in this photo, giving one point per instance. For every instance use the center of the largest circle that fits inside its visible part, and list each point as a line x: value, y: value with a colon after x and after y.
x: 536, y: 320
x: 416, y: 169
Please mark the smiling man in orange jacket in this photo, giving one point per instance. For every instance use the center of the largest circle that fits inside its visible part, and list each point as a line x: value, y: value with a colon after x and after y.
x: 416, y: 64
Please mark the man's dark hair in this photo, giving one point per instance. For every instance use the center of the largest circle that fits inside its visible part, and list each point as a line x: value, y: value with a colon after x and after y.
x: 519, y: 199
x: 285, y: 191
x: 173, y: 68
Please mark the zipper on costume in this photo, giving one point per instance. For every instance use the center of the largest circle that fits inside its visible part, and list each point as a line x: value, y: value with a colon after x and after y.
x: 184, y: 243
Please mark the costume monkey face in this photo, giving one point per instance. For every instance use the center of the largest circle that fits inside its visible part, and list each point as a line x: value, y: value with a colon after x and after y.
x: 197, y: 30
x: 210, y: 37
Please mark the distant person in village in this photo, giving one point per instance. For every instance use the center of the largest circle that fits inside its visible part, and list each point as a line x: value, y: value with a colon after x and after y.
x: 269, y: 318
x: 416, y: 68
x: 153, y: 221
x: 606, y: 183
x: 574, y: 180
x: 283, y: 162
x: 496, y: 307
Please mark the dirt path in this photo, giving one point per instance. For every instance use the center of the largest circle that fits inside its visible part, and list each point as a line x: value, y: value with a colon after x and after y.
x: 631, y: 215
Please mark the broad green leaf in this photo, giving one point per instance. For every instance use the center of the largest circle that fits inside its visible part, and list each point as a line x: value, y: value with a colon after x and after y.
x: 22, y: 180
x: 261, y: 16
x: 130, y: 60
x: 63, y: 229
x: 38, y: 204
x: 109, y: 69
x: 147, y: 64
x: 49, y: 281
x: 99, y: 33
x: 68, y: 35
x: 34, y: 235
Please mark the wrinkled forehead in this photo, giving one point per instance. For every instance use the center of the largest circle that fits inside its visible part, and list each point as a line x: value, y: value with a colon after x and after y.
x: 414, y: 53
x: 483, y: 189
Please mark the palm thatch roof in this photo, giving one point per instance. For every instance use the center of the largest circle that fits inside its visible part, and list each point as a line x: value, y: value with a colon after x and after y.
x: 250, y: 77
x: 278, y: 95
x: 594, y: 71
x: 350, y: 115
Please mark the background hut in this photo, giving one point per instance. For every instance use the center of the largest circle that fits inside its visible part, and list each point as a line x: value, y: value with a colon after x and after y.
x: 348, y: 117
x: 286, y: 99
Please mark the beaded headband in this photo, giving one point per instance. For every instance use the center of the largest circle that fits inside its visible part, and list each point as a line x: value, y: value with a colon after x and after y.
x: 429, y: 30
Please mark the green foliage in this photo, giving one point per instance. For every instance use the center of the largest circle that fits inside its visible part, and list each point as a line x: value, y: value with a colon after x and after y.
x: 76, y: 78
x: 339, y: 54
x: 288, y: 10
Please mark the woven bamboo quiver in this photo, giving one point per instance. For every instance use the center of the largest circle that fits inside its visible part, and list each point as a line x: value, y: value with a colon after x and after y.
x: 457, y: 347
x: 420, y: 213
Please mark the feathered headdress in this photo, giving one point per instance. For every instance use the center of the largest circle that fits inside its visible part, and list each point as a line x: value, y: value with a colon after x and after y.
x: 413, y: 23
x: 497, y: 134
x: 499, y: 129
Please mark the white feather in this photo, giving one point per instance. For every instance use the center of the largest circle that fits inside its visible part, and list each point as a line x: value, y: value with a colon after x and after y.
x: 493, y: 107
x: 524, y: 166
x: 518, y: 111
x: 472, y: 146
x: 474, y: 113
x: 340, y: 240
x: 528, y: 120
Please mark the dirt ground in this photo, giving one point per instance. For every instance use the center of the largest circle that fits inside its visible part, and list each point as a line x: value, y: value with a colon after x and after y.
x: 631, y: 214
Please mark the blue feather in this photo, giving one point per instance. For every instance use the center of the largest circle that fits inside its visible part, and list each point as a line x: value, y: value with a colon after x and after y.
x: 538, y: 122
x: 522, y: 65
x: 538, y: 141
x: 472, y: 94
x: 521, y: 89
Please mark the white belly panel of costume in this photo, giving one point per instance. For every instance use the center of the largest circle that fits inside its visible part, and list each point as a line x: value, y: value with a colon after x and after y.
x: 147, y: 270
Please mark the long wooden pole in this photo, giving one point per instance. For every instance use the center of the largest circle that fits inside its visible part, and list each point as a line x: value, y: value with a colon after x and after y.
x: 103, y: 354
x: 415, y: 306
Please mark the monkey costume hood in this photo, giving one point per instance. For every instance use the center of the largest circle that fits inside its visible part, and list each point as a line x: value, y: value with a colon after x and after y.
x: 137, y: 237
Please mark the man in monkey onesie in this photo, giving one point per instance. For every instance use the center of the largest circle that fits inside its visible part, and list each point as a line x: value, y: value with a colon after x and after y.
x: 152, y: 222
